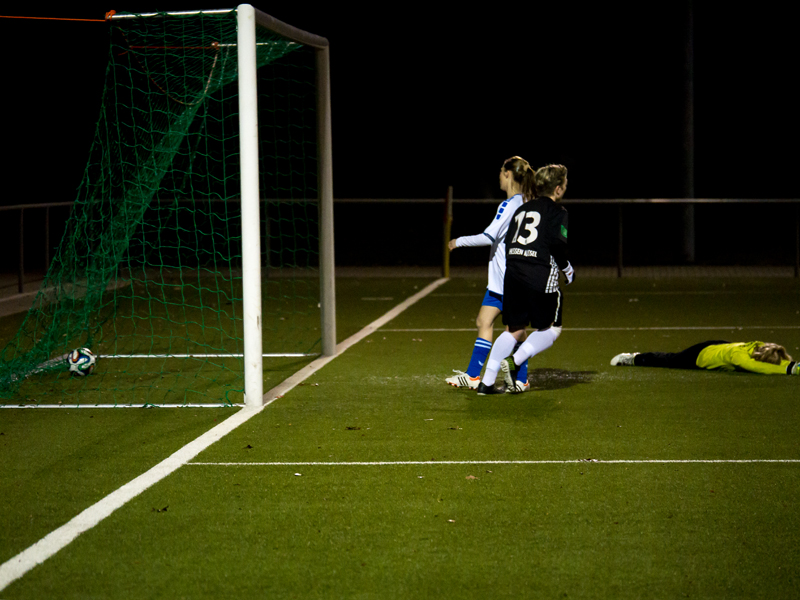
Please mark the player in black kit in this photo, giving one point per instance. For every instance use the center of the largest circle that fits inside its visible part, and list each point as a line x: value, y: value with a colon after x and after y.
x: 536, y: 250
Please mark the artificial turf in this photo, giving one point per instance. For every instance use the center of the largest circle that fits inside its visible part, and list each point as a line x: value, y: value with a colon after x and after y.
x: 509, y: 496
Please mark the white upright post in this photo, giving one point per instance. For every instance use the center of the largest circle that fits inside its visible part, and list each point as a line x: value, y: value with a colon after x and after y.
x: 251, y: 221
x: 326, y: 258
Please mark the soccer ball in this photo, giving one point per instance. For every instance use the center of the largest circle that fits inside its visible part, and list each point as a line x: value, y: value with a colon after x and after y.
x: 81, y: 361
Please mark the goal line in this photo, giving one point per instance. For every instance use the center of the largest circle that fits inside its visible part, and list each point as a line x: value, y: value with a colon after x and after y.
x: 232, y: 355
x: 53, y: 542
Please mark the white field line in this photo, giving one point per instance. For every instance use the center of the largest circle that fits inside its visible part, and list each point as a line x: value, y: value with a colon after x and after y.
x: 193, y: 405
x: 279, y: 355
x: 697, y: 328
x: 491, y: 462
x: 16, y: 567
x: 317, y: 364
x: 635, y: 293
x: 19, y: 565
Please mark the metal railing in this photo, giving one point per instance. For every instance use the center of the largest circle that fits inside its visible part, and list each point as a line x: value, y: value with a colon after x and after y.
x: 448, y: 201
x: 45, y: 208
x: 22, y: 208
x: 621, y: 203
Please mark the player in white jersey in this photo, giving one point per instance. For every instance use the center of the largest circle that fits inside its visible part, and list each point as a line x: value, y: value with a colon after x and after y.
x: 537, y: 249
x: 516, y: 180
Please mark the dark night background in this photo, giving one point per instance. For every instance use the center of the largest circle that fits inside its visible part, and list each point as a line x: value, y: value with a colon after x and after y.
x: 427, y: 95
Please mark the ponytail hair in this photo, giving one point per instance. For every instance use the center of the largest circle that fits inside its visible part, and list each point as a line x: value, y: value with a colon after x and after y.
x: 523, y: 174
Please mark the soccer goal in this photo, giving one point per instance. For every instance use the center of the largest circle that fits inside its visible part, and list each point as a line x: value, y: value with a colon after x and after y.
x: 201, y: 241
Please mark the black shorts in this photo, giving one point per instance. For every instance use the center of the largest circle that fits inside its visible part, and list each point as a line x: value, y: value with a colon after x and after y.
x: 686, y: 359
x: 523, y: 307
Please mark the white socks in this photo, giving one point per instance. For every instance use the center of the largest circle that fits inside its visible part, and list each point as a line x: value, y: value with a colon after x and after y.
x: 503, y: 346
x: 538, y: 341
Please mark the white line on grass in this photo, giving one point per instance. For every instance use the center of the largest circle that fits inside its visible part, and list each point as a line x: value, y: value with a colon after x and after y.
x: 690, y: 328
x: 148, y: 406
x: 636, y: 293
x: 19, y: 565
x: 46, y: 547
x: 316, y: 365
x: 765, y: 291
x: 284, y: 355
x: 489, y: 462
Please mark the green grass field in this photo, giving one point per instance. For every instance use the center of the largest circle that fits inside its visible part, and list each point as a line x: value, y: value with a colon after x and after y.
x: 374, y: 479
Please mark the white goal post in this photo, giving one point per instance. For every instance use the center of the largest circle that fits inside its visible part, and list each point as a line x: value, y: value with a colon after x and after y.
x: 248, y: 19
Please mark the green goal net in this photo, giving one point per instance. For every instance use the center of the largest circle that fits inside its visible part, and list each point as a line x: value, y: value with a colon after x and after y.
x: 149, y: 274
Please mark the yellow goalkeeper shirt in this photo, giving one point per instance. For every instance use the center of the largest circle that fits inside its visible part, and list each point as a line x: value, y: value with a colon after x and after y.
x: 730, y: 357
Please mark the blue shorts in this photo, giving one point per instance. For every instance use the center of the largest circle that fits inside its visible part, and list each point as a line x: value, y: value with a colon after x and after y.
x: 493, y: 299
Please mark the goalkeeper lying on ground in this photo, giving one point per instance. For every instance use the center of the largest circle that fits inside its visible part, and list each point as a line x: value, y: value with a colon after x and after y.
x: 757, y: 357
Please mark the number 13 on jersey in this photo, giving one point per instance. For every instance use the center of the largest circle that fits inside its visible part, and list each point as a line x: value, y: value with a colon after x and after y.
x: 526, y: 222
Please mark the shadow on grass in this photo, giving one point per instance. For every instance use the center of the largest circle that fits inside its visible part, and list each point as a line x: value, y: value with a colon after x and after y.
x: 557, y: 379
x: 534, y: 404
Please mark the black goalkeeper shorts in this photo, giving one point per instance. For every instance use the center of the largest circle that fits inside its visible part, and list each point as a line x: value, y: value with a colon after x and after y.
x: 523, y: 307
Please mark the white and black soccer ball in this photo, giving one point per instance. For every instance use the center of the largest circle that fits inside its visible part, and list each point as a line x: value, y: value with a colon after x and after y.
x: 81, y: 361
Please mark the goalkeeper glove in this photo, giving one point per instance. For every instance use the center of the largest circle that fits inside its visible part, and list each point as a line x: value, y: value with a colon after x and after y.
x: 794, y: 368
x: 569, y: 273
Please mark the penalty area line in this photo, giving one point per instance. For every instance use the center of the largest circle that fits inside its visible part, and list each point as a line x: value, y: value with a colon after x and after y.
x: 56, y: 540
x: 388, y: 463
x: 316, y: 365
x: 569, y: 329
